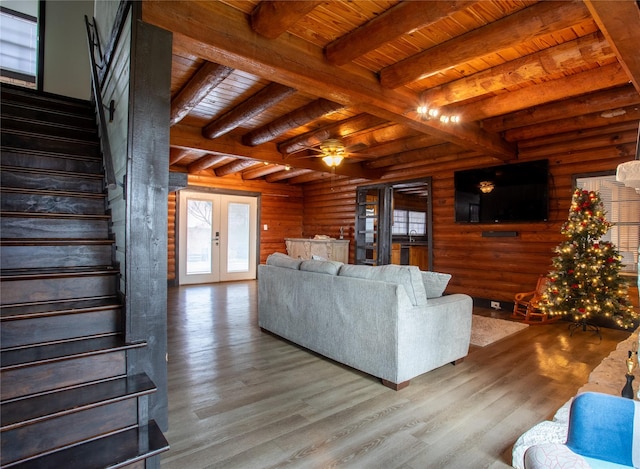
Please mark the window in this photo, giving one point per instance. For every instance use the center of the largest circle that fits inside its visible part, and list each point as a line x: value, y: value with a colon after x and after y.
x: 409, y: 222
x: 18, y: 45
x: 622, y: 207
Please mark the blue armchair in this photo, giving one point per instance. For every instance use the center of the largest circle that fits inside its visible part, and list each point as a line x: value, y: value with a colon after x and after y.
x: 604, y: 432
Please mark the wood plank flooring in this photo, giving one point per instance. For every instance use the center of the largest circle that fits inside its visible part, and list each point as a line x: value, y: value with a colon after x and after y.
x: 240, y: 398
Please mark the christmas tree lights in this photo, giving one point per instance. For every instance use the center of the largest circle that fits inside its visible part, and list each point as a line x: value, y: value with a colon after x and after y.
x: 585, y: 281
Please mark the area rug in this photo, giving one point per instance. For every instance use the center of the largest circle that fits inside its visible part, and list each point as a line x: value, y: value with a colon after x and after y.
x: 486, y: 330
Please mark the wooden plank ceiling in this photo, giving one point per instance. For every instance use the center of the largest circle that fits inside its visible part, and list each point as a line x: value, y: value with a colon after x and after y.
x: 257, y: 86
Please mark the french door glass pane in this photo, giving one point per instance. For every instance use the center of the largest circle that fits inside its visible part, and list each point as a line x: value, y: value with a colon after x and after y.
x: 199, y: 236
x: 238, y: 237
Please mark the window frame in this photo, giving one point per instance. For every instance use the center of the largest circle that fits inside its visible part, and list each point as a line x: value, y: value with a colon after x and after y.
x: 632, y: 275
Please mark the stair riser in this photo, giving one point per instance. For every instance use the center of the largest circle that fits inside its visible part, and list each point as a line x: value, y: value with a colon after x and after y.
x: 52, y: 375
x: 56, y: 228
x: 16, y: 157
x: 21, y: 257
x: 33, y: 203
x: 21, y: 332
x: 12, y: 110
x: 53, y: 129
x: 51, y: 289
x: 45, y: 436
x: 41, y: 181
x: 46, y: 144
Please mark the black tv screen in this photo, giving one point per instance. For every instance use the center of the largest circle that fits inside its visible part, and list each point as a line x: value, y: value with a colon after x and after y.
x: 517, y: 192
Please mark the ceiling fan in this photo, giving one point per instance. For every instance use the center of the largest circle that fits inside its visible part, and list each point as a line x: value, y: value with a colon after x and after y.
x: 332, y: 151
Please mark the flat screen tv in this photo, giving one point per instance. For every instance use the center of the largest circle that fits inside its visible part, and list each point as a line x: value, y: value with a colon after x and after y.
x: 517, y: 192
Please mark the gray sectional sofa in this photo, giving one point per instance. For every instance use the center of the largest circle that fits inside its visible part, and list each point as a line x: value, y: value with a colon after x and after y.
x: 388, y: 321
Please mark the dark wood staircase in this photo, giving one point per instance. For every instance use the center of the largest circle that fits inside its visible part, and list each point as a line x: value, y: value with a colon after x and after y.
x: 66, y: 399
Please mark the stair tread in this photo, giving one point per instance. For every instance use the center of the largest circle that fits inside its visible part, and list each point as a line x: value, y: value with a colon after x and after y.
x: 54, y: 242
x: 113, y: 451
x: 55, y: 193
x: 30, y: 410
x: 38, y: 354
x: 50, y: 172
x: 6, y: 148
x: 23, y: 96
x: 53, y: 308
x: 49, y: 128
x: 5, y: 214
x: 14, y: 109
x: 22, y: 274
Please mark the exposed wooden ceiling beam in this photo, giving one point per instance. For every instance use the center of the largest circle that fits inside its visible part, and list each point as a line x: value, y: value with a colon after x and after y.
x: 272, y: 18
x: 309, y: 177
x: 268, y: 96
x: 296, y: 118
x: 335, y: 130
x: 396, y: 21
x: 527, y: 24
x: 206, y: 162
x: 287, y: 174
x: 402, y: 145
x: 206, y: 78
x: 572, y: 124
x: 590, y: 49
x: 414, y: 155
x: 555, y: 90
x: 189, y: 137
x: 176, y: 154
x: 262, y: 170
x: 466, y: 132
x: 229, y: 40
x: 619, y: 21
x: 595, y: 102
x: 235, y: 167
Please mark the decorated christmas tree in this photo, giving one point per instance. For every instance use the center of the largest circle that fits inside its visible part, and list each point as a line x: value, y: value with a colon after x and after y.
x: 585, y: 282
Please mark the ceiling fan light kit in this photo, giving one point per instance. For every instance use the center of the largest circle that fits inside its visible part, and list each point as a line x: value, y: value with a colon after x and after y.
x: 333, y: 152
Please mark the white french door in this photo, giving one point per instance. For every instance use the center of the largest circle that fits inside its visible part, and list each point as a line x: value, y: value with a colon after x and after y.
x: 217, y: 237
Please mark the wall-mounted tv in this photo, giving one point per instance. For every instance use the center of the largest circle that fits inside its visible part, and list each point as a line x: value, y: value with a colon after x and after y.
x: 517, y: 192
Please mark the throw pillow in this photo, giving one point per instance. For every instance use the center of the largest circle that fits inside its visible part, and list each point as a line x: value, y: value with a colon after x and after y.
x: 435, y: 283
x: 278, y: 259
x: 322, y: 267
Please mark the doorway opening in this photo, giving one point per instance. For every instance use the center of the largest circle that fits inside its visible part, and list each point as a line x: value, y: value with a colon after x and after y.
x: 217, y: 237
x: 394, y: 224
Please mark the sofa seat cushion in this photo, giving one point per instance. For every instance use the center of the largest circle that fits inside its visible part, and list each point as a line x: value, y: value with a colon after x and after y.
x: 282, y: 260
x: 406, y: 275
x: 322, y: 267
x: 435, y: 283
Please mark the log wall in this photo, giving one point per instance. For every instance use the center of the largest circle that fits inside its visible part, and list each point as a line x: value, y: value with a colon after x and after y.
x: 492, y: 268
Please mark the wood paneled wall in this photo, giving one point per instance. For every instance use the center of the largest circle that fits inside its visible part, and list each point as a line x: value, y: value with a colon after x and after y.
x: 493, y: 268
x: 280, y: 209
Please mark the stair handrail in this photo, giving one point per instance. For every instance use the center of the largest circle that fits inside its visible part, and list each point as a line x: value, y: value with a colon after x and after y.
x: 93, y: 42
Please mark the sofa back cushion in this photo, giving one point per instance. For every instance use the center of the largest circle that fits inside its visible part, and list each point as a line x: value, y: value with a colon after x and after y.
x: 406, y: 275
x: 435, y: 283
x: 282, y: 260
x: 322, y: 267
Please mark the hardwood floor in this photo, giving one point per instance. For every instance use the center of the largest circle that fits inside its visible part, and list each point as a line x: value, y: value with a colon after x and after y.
x: 240, y: 398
